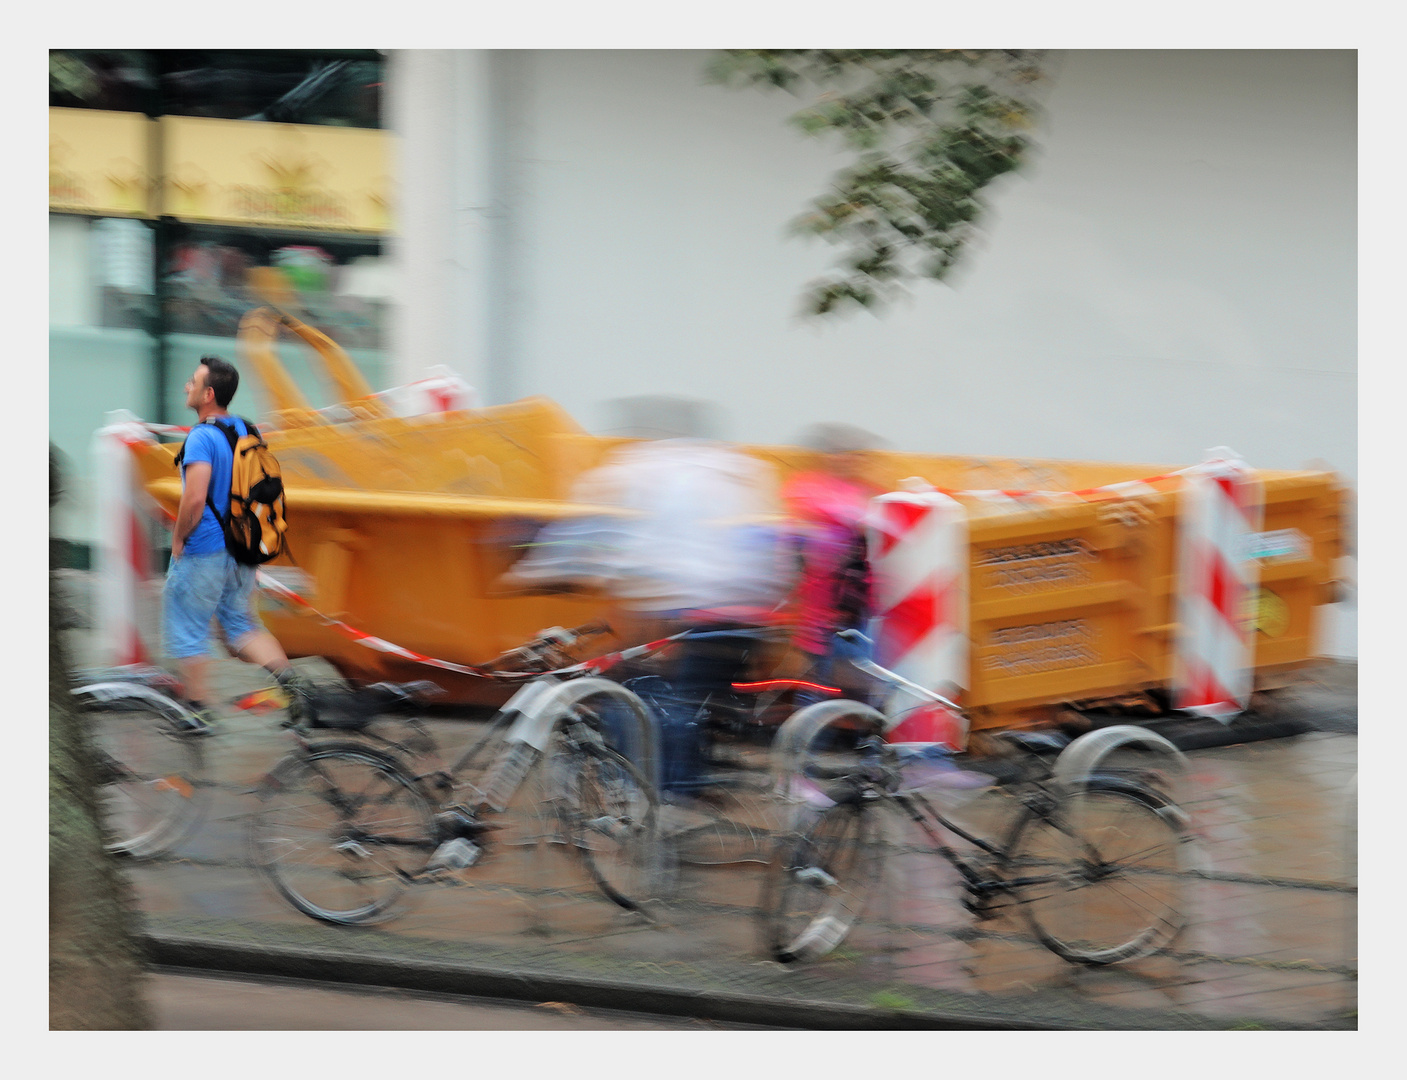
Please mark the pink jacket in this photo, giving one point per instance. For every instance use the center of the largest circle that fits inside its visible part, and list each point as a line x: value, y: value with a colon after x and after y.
x: 827, y: 513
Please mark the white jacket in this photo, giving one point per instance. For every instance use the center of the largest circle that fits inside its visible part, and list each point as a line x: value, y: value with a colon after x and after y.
x: 702, y: 531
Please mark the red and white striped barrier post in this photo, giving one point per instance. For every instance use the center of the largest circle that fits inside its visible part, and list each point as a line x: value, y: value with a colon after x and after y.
x: 918, y: 556
x: 1213, y: 668
x: 124, y: 544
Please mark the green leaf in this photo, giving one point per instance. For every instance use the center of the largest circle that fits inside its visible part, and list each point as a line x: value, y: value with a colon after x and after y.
x: 926, y: 145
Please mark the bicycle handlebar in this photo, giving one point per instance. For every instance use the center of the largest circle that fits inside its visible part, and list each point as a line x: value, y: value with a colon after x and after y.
x: 555, y: 637
x: 882, y: 673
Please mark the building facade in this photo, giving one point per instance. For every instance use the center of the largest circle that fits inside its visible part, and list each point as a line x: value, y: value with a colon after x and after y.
x: 173, y: 174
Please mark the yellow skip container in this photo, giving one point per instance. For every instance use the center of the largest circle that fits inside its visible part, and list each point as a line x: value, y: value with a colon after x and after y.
x: 403, y: 527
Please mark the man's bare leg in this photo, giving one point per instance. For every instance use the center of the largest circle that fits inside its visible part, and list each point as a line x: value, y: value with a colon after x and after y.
x: 195, y: 674
x: 262, y: 649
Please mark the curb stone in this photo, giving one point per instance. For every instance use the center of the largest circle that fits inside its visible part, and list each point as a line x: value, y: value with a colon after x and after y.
x: 761, y: 993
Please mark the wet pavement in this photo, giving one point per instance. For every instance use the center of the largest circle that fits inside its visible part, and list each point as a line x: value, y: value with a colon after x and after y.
x: 1271, y: 941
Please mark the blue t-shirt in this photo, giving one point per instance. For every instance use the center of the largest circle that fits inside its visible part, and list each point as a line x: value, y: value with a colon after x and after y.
x: 206, y: 442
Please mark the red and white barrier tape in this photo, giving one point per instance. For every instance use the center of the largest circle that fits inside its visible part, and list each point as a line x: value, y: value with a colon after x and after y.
x: 1124, y: 489
x: 283, y: 592
x: 269, y: 584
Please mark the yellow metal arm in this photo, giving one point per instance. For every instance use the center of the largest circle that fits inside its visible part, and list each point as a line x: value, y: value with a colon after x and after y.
x: 258, y: 331
x: 350, y: 386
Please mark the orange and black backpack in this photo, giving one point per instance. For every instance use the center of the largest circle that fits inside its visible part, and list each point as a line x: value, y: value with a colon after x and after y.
x: 254, y: 524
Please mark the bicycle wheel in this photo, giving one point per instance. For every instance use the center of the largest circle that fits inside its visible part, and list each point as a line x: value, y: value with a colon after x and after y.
x: 1112, y: 859
x: 817, y: 883
x: 151, y: 789
x: 611, y: 816
x: 341, y: 831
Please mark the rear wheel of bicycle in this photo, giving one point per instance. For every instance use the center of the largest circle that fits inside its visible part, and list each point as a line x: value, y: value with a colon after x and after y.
x: 612, y: 818
x: 341, y: 831
x: 818, y: 882
x: 1114, y: 858
x: 151, y: 787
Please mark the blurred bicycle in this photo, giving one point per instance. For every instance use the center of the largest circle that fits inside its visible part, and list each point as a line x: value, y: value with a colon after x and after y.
x: 151, y: 775
x: 1095, y: 857
x: 346, y: 826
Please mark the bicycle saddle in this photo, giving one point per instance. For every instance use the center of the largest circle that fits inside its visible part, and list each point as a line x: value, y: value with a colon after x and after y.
x: 351, y: 709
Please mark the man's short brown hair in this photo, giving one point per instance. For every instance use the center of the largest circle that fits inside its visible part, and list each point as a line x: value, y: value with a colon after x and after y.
x: 222, y: 378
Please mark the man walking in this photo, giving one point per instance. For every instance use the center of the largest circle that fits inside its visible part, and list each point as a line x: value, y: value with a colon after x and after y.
x: 204, y: 581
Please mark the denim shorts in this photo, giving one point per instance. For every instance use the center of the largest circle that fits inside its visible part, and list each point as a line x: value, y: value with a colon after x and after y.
x: 204, y: 587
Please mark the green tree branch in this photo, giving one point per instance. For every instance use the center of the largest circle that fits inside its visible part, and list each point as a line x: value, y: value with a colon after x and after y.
x: 930, y: 130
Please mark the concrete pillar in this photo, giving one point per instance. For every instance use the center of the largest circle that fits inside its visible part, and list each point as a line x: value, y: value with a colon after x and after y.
x: 438, y: 107
x: 510, y: 148
x: 471, y: 221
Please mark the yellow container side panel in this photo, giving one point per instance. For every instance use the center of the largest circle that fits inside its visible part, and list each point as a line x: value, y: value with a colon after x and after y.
x: 1057, y: 598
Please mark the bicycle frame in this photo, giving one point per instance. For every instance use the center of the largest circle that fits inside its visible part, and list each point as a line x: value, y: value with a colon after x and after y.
x: 981, y: 884
x: 533, y: 712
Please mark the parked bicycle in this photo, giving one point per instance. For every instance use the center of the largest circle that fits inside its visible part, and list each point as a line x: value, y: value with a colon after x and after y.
x: 345, y: 827
x: 1095, y: 857
x: 151, y: 775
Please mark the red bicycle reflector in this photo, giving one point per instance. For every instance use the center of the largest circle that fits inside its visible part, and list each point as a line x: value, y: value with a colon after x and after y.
x: 177, y: 784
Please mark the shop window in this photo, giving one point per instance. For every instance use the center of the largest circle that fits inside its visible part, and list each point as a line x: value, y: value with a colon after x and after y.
x: 284, y: 86
x: 100, y: 272
x: 335, y: 284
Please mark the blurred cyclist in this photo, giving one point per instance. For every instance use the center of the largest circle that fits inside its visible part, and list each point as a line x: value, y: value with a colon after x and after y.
x: 827, y: 504
x: 695, y: 547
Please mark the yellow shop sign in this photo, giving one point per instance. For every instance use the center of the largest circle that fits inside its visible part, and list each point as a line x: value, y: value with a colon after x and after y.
x: 245, y: 172
x: 98, y: 163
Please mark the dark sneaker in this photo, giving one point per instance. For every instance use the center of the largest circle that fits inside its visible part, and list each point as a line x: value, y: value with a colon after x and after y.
x: 196, y: 722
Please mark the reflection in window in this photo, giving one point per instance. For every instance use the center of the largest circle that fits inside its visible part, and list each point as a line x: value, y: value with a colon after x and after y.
x: 115, y: 79
x: 100, y: 272
x: 338, y: 285
x: 123, y: 250
x: 287, y: 87
x: 283, y: 87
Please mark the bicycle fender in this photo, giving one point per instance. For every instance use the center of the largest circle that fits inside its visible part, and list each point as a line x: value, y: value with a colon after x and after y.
x: 524, y: 702
x: 1078, y: 761
x: 539, y: 715
x: 104, y: 693
x: 801, y: 727
x: 536, y: 716
x: 534, y: 722
x: 1156, y: 801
